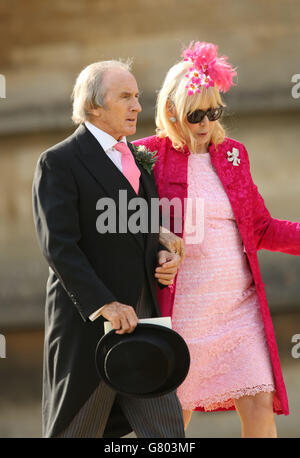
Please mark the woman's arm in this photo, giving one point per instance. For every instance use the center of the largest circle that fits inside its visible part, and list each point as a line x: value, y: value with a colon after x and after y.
x: 271, y: 233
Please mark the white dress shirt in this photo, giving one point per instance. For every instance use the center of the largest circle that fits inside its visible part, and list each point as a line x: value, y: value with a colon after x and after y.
x: 107, y: 142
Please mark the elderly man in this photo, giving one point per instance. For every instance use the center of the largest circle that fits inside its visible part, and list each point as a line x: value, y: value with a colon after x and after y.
x: 97, y: 274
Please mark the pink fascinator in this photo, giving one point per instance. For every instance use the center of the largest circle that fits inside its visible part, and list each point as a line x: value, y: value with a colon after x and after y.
x: 207, y: 69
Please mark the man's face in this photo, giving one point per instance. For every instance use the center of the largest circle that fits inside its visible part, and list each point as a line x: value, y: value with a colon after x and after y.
x: 119, y: 115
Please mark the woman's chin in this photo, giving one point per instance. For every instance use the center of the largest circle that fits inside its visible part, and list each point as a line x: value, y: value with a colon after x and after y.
x: 202, y: 139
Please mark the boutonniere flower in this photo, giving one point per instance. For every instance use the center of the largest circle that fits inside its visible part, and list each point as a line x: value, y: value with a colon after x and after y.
x: 145, y: 157
x: 233, y: 156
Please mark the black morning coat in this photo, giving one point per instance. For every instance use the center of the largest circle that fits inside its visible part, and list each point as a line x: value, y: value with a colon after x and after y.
x: 87, y: 269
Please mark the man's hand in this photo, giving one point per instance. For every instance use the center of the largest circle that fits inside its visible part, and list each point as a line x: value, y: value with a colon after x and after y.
x: 168, y: 264
x: 122, y: 317
x: 172, y: 242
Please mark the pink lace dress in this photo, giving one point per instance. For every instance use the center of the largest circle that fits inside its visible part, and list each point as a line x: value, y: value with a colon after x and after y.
x: 216, y: 308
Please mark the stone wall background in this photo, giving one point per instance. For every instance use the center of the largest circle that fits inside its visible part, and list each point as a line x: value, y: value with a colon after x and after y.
x: 45, y: 44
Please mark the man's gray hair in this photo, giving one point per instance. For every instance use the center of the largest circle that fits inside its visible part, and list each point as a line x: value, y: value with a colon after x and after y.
x: 89, y: 91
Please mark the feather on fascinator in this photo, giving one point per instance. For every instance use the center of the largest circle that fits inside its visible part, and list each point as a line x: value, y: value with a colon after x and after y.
x: 207, y: 68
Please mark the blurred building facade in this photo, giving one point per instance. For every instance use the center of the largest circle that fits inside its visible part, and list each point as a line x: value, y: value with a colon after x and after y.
x: 46, y: 46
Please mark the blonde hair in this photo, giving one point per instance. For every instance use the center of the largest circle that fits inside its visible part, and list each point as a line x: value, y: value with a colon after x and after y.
x: 89, y: 91
x: 173, y: 94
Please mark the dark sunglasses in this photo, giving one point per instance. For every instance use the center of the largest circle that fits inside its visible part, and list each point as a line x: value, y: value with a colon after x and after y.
x: 213, y: 114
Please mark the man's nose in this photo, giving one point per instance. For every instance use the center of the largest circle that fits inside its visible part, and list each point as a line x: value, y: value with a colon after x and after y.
x: 136, y: 106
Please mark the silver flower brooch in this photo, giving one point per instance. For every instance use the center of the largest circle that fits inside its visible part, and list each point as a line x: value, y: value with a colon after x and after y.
x: 233, y: 156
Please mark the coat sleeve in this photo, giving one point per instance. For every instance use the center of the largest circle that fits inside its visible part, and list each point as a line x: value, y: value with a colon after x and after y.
x: 271, y: 233
x: 55, y: 212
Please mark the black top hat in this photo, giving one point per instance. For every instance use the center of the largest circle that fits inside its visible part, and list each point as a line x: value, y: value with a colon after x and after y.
x: 150, y: 362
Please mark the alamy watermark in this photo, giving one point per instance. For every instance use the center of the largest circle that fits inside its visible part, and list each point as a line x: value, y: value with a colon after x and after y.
x: 133, y: 216
x: 296, y: 87
x: 2, y: 346
x: 2, y: 87
x: 296, y: 348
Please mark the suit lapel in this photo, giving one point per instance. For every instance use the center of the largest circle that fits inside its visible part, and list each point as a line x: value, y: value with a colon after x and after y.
x: 147, y: 181
x: 145, y: 178
x: 100, y: 165
x: 94, y: 158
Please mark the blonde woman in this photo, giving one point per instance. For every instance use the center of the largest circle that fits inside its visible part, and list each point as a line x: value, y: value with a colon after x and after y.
x: 218, y: 303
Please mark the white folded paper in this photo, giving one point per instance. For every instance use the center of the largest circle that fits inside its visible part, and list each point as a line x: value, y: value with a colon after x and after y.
x: 162, y: 321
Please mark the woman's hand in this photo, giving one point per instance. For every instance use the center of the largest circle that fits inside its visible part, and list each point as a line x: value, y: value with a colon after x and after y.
x: 172, y: 242
x: 168, y: 264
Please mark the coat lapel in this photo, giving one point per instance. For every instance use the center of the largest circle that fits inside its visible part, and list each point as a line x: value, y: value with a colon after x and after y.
x: 232, y: 179
x: 146, y: 178
x: 147, y: 181
x: 94, y: 158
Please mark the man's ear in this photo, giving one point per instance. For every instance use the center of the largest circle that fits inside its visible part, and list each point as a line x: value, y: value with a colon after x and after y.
x: 95, y: 111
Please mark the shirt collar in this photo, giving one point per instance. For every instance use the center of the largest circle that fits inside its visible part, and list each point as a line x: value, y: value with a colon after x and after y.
x: 106, y: 141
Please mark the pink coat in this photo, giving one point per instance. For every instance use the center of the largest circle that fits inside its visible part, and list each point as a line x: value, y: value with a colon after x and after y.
x: 257, y: 227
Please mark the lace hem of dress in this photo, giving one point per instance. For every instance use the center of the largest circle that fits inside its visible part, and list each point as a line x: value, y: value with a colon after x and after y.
x: 226, y: 400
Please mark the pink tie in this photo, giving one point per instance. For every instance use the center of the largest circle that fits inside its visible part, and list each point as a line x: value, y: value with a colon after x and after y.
x: 129, y: 168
